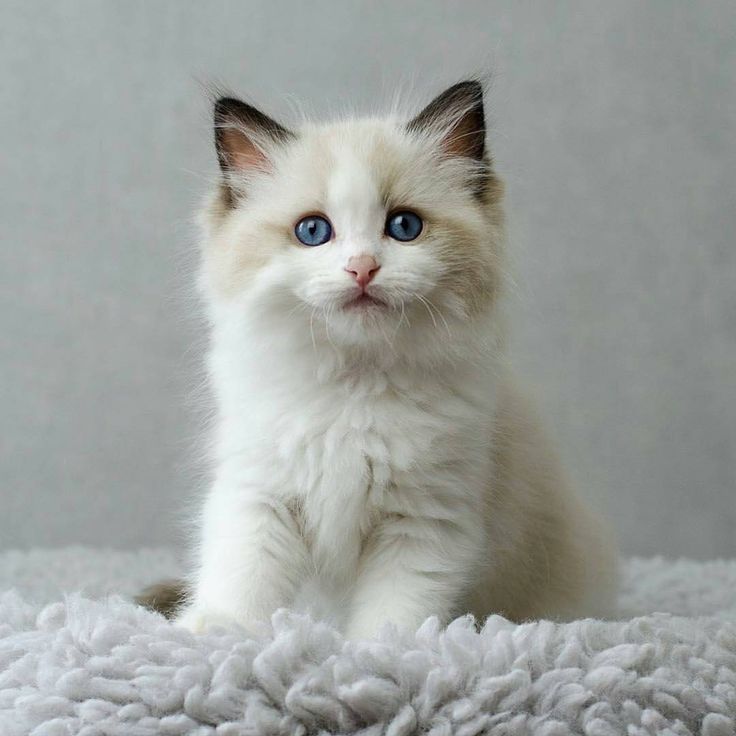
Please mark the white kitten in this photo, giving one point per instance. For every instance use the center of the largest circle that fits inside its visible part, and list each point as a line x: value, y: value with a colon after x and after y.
x: 373, y: 460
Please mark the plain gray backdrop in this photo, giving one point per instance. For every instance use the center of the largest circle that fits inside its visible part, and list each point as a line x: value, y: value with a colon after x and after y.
x: 613, y: 123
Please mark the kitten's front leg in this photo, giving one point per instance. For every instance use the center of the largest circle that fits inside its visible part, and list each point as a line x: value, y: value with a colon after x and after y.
x: 414, y: 569
x: 252, y: 557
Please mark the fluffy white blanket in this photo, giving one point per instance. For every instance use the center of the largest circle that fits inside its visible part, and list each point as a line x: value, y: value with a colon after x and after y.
x: 96, y: 664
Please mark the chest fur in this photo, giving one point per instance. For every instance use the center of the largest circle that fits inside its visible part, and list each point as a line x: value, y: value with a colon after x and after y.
x: 361, y: 455
x: 345, y: 455
x: 349, y: 460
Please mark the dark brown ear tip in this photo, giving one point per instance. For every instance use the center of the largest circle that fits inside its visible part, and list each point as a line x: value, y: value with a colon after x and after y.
x: 230, y: 111
x: 227, y: 107
x: 469, y: 92
x: 471, y: 88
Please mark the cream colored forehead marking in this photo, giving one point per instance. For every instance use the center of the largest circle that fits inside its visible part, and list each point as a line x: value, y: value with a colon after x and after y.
x: 353, y: 198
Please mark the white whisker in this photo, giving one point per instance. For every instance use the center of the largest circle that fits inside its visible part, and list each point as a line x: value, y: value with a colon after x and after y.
x: 428, y: 308
x: 441, y: 316
x: 311, y: 328
x: 402, y: 316
x: 326, y: 312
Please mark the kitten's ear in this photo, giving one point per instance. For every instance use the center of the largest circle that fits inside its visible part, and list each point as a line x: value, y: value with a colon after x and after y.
x: 243, y: 136
x: 456, y: 116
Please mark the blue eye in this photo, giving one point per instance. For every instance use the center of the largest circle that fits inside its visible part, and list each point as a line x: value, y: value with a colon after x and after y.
x: 313, y: 230
x: 404, y: 226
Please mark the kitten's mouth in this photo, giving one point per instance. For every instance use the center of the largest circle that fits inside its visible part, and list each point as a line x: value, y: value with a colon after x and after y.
x: 364, y: 301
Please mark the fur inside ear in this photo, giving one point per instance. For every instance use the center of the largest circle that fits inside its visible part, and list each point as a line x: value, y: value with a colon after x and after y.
x: 457, y: 117
x: 243, y: 136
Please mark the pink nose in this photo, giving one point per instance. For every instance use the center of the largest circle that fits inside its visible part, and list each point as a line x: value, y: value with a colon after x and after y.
x: 362, y: 269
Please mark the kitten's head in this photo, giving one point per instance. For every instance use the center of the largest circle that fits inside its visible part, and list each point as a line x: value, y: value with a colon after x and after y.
x: 356, y: 229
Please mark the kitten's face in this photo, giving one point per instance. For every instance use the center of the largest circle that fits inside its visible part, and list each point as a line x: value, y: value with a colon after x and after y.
x: 363, y: 228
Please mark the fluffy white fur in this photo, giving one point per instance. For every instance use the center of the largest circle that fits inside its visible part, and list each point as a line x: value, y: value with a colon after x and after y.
x: 374, y: 463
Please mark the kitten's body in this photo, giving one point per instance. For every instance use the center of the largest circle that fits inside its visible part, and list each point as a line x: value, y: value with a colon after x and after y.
x: 373, y: 461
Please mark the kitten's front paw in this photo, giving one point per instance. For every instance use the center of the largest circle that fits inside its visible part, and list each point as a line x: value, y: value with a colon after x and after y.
x: 199, y: 620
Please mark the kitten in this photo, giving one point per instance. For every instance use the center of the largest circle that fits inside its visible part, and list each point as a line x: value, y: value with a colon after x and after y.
x: 374, y: 461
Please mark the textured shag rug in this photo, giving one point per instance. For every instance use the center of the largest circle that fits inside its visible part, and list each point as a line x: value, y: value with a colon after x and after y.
x: 94, y: 664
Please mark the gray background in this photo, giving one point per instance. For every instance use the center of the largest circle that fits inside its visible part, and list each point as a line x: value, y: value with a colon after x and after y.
x: 613, y: 123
